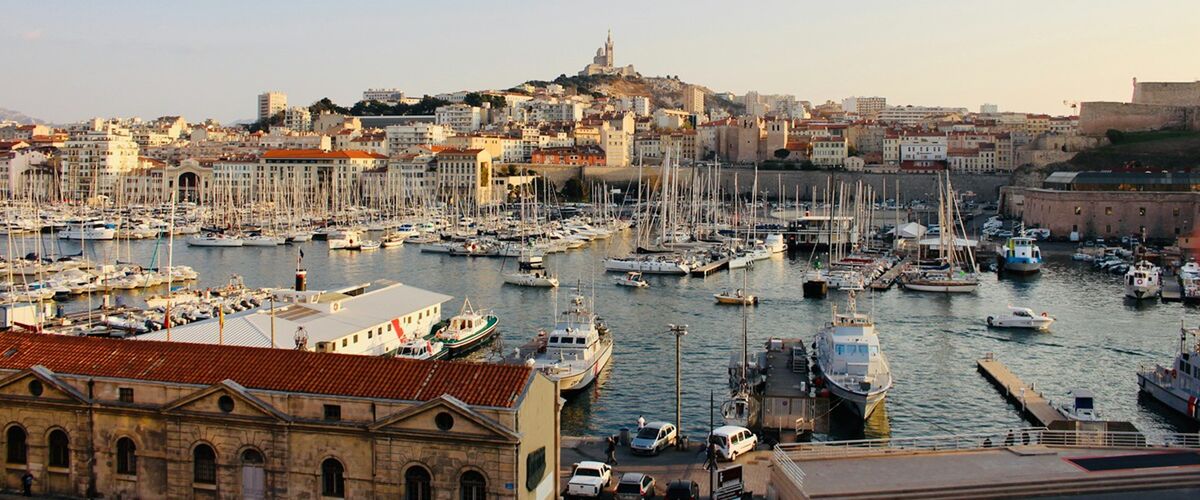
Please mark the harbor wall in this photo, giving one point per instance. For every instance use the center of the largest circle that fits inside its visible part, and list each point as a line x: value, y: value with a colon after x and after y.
x: 911, y: 185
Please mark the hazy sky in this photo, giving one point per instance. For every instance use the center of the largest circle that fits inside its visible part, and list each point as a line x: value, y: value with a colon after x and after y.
x: 65, y: 61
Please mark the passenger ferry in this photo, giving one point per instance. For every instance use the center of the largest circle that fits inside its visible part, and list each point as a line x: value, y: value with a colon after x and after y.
x: 851, y: 362
x: 1177, y: 385
x: 577, y: 350
x: 1019, y: 255
x: 1143, y: 281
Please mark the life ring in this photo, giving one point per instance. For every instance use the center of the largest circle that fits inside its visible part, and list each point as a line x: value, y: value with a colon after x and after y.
x: 1139, y: 281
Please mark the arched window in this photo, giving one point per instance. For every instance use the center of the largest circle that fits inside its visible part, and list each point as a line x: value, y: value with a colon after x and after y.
x: 204, y: 465
x: 60, y: 449
x: 126, y: 457
x: 333, y: 484
x: 417, y: 484
x: 252, y: 457
x: 16, y: 446
x: 473, y: 486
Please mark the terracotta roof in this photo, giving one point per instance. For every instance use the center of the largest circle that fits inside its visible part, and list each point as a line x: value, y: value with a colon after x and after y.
x: 267, y: 369
x: 454, y: 151
x: 347, y: 154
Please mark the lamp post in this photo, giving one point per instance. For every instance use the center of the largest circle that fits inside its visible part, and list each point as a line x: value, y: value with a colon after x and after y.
x: 679, y: 331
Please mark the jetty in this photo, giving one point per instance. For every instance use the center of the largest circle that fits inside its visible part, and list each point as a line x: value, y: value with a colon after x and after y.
x: 1171, y: 289
x: 1034, y: 406
x: 888, y: 278
x: 711, y: 267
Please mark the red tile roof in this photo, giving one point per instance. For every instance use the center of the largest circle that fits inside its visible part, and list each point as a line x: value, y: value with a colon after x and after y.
x: 267, y: 369
x: 349, y: 154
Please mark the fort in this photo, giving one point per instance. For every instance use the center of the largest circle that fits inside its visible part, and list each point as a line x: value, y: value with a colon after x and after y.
x: 1154, y: 106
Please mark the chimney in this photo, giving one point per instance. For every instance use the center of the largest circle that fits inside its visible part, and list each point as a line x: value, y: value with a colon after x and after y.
x: 301, y: 280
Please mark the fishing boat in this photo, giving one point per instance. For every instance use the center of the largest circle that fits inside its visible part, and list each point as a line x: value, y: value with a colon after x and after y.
x: 850, y: 360
x: 1019, y: 254
x: 468, y: 330
x: 393, y: 240
x: 632, y: 279
x: 426, y: 349
x: 736, y: 297
x: 1178, y: 384
x: 214, y: 240
x: 1143, y: 281
x: 1020, y: 317
x: 578, y: 348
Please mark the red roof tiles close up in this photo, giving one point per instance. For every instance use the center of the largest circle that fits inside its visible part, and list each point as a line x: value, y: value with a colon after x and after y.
x: 267, y: 369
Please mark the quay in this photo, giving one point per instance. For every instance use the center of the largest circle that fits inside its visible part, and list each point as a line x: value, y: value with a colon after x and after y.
x: 1171, y: 290
x: 711, y: 267
x: 888, y: 278
x: 1033, y: 405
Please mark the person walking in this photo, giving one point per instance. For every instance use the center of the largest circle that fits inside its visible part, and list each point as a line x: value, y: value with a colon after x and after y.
x: 27, y: 484
x: 641, y: 422
x: 710, y: 457
x: 611, y: 451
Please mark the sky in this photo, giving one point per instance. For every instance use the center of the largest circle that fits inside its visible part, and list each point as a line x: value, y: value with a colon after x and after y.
x: 66, y: 61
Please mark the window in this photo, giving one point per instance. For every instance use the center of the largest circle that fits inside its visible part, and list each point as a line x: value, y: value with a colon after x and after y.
x: 1141, y: 210
x: 125, y: 394
x: 204, y: 465
x: 333, y: 484
x: 444, y: 421
x: 225, y: 403
x: 1078, y: 210
x: 16, y: 446
x: 60, y: 449
x: 356, y: 338
x: 1107, y: 210
x: 1175, y: 212
x: 36, y: 388
x: 473, y: 486
x: 126, y: 457
x: 333, y: 413
x: 417, y: 484
x: 344, y: 342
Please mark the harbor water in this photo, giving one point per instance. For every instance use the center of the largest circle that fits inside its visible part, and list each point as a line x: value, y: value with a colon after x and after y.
x: 933, y: 341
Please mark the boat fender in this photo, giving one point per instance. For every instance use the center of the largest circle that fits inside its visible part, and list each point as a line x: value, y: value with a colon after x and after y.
x: 990, y: 320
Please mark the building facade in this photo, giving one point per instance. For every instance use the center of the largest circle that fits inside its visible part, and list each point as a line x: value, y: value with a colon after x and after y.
x: 271, y: 103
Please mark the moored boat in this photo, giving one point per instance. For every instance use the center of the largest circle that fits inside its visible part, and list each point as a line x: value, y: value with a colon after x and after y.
x: 577, y: 350
x: 1178, y: 384
x: 850, y: 360
x: 468, y: 330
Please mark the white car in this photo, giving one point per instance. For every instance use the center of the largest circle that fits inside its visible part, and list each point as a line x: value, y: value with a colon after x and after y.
x: 732, y: 441
x: 653, y: 438
x: 589, y: 479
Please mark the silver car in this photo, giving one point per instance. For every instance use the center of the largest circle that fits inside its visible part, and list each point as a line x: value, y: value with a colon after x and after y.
x: 653, y: 438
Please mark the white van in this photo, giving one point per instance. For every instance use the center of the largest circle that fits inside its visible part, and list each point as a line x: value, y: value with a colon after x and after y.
x: 733, y: 441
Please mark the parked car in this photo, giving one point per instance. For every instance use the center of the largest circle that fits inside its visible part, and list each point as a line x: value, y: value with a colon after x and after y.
x: 680, y: 489
x: 589, y: 479
x: 732, y: 441
x: 653, y: 438
x: 635, y: 486
x: 1004, y: 234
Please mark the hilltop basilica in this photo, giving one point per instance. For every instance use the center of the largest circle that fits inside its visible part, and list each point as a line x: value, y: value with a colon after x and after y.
x: 602, y: 64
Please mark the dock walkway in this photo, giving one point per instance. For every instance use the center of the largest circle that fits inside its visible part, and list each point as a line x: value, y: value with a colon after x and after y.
x: 711, y: 267
x: 1033, y: 405
x: 887, y: 279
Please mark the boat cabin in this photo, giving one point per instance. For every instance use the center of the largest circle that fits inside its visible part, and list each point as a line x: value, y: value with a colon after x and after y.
x: 853, y: 345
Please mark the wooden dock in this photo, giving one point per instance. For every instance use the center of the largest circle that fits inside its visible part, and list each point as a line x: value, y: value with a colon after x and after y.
x: 1172, y: 291
x: 711, y: 267
x: 887, y: 279
x: 1034, y: 406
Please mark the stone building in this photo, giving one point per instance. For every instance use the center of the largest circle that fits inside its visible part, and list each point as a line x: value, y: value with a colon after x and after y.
x: 605, y: 62
x: 126, y: 419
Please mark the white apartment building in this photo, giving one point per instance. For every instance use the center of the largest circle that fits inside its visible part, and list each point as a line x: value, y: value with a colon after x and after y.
x: 911, y: 115
x: 829, y: 151
x: 923, y: 147
x: 407, y: 135
x: 234, y: 179
x: 389, y: 96
x: 297, y: 118
x: 979, y: 160
x: 94, y: 157
x: 270, y: 103
x: 465, y: 174
x: 14, y: 163
x: 864, y: 106
x: 460, y: 118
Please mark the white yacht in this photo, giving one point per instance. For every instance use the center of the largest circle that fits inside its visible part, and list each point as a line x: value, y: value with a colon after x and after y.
x: 851, y: 362
x: 775, y: 243
x: 1021, y: 317
x: 95, y: 230
x: 1143, y: 281
x: 214, y: 240
x: 345, y: 240
x: 577, y: 350
x: 649, y: 265
x: 1177, y: 385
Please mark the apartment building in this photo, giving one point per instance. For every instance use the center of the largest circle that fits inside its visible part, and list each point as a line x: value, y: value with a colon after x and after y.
x: 270, y: 103
x: 94, y: 157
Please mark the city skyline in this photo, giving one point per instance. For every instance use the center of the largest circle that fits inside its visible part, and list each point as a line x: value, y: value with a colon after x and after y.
x: 211, y: 62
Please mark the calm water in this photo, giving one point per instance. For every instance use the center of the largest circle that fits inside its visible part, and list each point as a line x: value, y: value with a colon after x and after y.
x: 932, y: 341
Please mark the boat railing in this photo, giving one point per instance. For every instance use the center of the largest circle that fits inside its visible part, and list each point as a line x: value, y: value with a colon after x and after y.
x: 984, y: 440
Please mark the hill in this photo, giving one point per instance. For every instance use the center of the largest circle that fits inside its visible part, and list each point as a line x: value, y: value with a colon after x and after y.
x: 19, y: 117
x: 664, y: 92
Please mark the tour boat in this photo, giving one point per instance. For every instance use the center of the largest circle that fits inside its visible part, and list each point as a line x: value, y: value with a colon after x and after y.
x: 850, y: 360
x: 632, y: 279
x: 1019, y: 255
x: 738, y: 297
x: 468, y: 330
x: 577, y: 350
x: 1020, y: 317
x: 214, y: 240
x: 422, y: 349
x: 1178, y: 385
x: 88, y: 231
x: 1142, y: 281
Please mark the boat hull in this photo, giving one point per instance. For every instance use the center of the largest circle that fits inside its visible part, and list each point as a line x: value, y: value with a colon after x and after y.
x: 578, y: 381
x: 1188, y: 406
x: 862, y: 404
x: 1020, y: 267
x: 645, y: 267
x: 530, y: 281
x: 941, y: 287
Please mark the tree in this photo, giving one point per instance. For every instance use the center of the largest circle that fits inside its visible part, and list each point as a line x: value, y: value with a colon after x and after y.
x: 326, y: 105
x: 265, y: 124
x: 782, y: 153
x: 575, y: 190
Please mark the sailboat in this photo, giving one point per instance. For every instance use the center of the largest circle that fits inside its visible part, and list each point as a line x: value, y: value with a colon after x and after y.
x: 949, y: 275
x: 740, y: 408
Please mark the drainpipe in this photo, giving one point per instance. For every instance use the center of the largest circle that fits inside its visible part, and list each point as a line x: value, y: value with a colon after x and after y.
x: 91, y: 445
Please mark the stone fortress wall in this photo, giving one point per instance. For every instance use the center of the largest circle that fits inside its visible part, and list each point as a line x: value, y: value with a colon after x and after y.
x: 1155, y: 106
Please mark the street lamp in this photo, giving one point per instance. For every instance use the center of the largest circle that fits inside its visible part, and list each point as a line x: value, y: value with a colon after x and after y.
x: 679, y: 331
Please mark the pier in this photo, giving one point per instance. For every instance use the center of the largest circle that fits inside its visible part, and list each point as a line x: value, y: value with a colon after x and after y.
x: 1171, y: 290
x: 887, y: 279
x: 1033, y: 405
x: 711, y: 267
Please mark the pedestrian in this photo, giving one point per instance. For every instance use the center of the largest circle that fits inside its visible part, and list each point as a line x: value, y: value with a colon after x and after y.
x: 27, y: 484
x: 710, y: 457
x: 641, y: 422
x: 611, y: 451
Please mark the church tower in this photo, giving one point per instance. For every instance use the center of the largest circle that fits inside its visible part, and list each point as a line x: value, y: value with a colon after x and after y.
x: 608, y: 51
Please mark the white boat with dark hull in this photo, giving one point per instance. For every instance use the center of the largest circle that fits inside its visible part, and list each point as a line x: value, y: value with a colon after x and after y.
x: 468, y: 330
x: 648, y: 265
x: 1020, y: 317
x: 632, y: 279
x: 1019, y: 255
x: 577, y: 350
x: 1177, y: 385
x: 851, y: 362
x: 1143, y: 281
x: 214, y: 240
x: 88, y: 231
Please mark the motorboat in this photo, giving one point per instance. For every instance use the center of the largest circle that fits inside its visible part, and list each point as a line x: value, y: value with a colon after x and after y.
x: 1177, y: 385
x: 1143, y: 281
x: 577, y: 350
x: 850, y: 361
x: 1019, y: 255
x: 425, y: 349
x: 468, y: 330
x: 632, y: 279
x: 1189, y: 282
x: 262, y: 240
x: 1020, y: 317
x: 736, y: 297
x: 369, y: 245
x: 344, y: 240
x: 95, y: 230
x: 1081, y: 406
x: 393, y: 240
x: 774, y: 243
x: 214, y: 240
